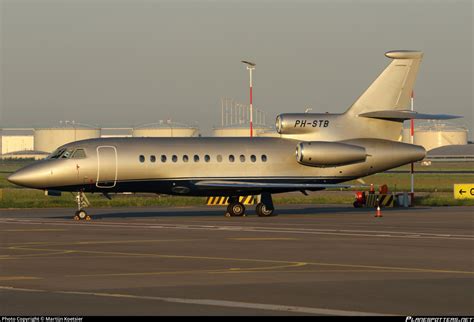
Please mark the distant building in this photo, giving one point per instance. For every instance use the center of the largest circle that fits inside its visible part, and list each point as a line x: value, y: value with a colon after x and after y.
x: 239, y: 131
x: 49, y: 139
x: 36, y: 155
x: 432, y: 135
x: 452, y: 153
x: 165, y: 129
x: 16, y: 143
x: 14, y: 140
x: 116, y: 132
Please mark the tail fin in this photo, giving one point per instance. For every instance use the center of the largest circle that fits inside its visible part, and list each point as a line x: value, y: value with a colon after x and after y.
x: 392, y: 89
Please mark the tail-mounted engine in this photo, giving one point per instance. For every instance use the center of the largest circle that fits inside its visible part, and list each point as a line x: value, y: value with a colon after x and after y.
x: 329, y: 154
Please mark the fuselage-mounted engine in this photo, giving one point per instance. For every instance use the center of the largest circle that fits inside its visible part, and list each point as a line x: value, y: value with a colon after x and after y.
x: 329, y: 154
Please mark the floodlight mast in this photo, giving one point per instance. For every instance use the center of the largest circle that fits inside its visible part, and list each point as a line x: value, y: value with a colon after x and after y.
x: 412, y: 141
x: 250, y: 67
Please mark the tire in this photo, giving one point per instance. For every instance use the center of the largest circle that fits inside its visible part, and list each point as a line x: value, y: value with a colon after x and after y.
x: 81, y: 214
x: 262, y: 210
x: 236, y: 209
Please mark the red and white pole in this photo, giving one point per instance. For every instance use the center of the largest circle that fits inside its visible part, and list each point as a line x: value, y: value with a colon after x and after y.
x: 250, y: 68
x: 412, y: 133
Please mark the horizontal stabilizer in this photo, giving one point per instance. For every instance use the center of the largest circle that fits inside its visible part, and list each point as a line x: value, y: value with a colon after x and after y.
x: 402, y: 115
x: 268, y: 185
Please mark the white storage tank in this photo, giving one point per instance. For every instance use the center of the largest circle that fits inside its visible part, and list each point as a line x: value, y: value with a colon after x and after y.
x: 406, y: 135
x: 239, y: 131
x: 49, y: 139
x: 116, y: 132
x: 165, y: 129
x: 435, y: 135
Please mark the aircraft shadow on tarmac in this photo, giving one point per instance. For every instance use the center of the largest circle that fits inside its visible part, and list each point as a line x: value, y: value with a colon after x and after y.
x: 219, y: 212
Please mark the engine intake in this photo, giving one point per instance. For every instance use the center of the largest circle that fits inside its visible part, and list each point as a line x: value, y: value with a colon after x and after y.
x: 329, y: 154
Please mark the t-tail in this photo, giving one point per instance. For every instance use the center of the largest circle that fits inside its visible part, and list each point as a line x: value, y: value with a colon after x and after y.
x: 392, y: 89
x: 378, y: 113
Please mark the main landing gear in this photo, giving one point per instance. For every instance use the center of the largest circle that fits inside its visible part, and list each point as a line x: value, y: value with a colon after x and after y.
x: 263, y: 211
x: 235, y: 207
x: 82, y: 202
x: 264, y: 207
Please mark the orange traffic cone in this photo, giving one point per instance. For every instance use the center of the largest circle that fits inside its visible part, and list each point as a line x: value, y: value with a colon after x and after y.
x: 378, y: 213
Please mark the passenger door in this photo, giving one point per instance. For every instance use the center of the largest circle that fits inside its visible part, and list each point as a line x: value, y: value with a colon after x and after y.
x: 106, y: 167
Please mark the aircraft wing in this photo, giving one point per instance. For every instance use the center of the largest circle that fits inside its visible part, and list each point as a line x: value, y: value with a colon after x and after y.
x: 403, y: 115
x: 207, y: 184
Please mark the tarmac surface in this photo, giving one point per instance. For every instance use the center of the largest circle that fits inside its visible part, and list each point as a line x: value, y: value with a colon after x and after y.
x: 310, y: 259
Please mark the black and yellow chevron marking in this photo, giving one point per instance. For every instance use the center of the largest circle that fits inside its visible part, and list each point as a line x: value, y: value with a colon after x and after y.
x: 224, y: 201
x: 384, y: 200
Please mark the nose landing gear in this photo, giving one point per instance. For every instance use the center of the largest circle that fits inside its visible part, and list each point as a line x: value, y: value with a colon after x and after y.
x: 82, y: 202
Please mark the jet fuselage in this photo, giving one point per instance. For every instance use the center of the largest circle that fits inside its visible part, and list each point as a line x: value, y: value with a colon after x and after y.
x: 175, y: 165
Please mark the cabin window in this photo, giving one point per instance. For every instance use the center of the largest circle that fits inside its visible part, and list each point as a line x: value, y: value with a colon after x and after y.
x: 219, y: 158
x: 253, y: 158
x: 231, y: 158
x: 163, y: 158
x: 185, y: 158
x: 196, y: 158
x: 264, y: 158
x: 79, y: 154
x: 174, y: 158
x: 242, y: 158
x: 152, y: 158
x: 207, y: 158
x: 141, y: 158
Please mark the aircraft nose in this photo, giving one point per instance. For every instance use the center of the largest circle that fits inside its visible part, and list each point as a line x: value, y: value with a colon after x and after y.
x: 27, y: 177
x: 20, y: 177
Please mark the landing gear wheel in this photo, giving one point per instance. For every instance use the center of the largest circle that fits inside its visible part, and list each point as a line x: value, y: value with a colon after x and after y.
x: 82, y: 215
x: 236, y: 209
x: 82, y: 203
x: 263, y: 211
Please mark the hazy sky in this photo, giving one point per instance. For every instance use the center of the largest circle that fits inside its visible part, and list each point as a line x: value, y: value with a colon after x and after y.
x: 129, y: 62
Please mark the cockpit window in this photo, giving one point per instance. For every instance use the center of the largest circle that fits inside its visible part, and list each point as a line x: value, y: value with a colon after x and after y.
x: 56, y: 154
x: 79, y: 154
x: 62, y: 153
x: 66, y: 154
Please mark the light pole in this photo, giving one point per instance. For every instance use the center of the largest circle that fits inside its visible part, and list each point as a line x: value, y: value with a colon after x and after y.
x: 250, y: 67
x: 412, y: 141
